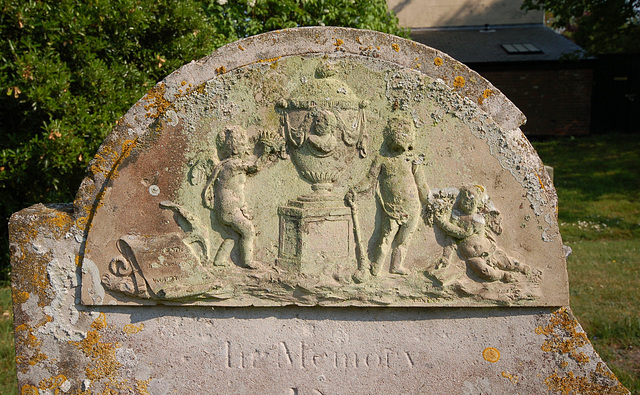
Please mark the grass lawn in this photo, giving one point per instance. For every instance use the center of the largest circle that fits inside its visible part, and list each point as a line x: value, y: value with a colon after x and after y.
x: 598, y: 183
x: 8, y: 385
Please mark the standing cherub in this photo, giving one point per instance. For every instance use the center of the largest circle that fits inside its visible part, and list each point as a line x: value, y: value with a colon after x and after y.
x: 224, y: 194
x: 401, y: 189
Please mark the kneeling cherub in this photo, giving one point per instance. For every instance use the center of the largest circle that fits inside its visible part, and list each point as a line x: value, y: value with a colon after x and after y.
x: 472, y: 230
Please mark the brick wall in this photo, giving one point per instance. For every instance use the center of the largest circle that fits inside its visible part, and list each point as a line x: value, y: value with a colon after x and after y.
x: 555, y: 101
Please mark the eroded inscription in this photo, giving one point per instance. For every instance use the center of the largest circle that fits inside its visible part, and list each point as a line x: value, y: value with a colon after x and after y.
x: 306, y: 356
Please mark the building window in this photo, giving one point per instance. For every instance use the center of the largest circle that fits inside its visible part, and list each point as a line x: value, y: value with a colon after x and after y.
x: 521, y: 49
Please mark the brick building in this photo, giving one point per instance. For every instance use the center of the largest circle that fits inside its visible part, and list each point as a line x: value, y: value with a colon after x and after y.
x: 530, y: 63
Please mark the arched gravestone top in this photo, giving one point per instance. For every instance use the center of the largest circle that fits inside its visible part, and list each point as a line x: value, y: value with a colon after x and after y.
x: 321, y: 166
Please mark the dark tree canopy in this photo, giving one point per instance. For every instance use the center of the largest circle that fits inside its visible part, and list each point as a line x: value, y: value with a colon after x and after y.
x: 599, y: 26
x: 70, y: 68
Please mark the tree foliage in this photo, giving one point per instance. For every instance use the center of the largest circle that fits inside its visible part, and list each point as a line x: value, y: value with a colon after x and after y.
x: 70, y: 68
x: 599, y: 26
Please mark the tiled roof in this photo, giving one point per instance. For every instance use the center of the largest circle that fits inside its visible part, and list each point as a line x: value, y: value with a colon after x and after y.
x: 480, y: 45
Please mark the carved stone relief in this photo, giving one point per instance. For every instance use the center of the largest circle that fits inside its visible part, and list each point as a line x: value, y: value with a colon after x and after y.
x: 316, y: 181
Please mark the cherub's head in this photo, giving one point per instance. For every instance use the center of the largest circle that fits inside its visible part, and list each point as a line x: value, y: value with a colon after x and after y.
x: 325, y: 123
x: 470, y: 198
x: 232, y: 141
x: 400, y: 134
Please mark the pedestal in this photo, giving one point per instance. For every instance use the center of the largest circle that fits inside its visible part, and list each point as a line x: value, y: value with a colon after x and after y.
x: 315, y: 236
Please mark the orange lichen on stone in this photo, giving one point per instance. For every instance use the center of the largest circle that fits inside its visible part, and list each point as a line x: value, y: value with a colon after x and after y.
x: 52, y: 383
x: 512, y: 377
x: 19, y: 297
x: 562, y: 336
x: 103, y: 355
x: 338, y: 43
x: 156, y: 101
x: 221, y: 70
x: 491, y: 354
x: 142, y: 386
x: 104, y: 160
x: 600, y: 381
x: 485, y: 95
x: 269, y: 60
x: 27, y: 347
x: 438, y: 61
x: 81, y: 223
x: 28, y: 389
x: 25, y: 229
x: 541, y: 183
x: 127, y: 148
x: 395, y: 47
x: 458, y: 82
x: 130, y: 329
x: 240, y: 47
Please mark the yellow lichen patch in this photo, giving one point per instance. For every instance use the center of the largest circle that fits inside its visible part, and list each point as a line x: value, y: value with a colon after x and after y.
x: 485, y: 95
x: 600, y: 381
x: 20, y: 297
x: 540, y: 181
x: 338, y: 43
x: 50, y: 223
x: 240, y: 47
x: 127, y: 147
x: 458, y: 82
x: 395, y: 47
x: 81, y: 223
x: 52, y: 383
x: 130, y: 329
x: 57, y: 222
x: 269, y: 60
x: 512, y: 377
x: 104, y: 160
x: 27, y: 347
x: 103, y: 360
x: 563, y: 337
x: 438, y: 61
x: 141, y: 386
x: 156, y: 101
x: 29, y: 390
x: 221, y: 70
x: 491, y: 354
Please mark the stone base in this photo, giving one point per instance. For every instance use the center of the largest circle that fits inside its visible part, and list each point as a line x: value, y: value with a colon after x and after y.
x: 315, y: 236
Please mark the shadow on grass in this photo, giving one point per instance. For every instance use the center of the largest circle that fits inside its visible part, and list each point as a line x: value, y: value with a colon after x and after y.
x: 595, y: 166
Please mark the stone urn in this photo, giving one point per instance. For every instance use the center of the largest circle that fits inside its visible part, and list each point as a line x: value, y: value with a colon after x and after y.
x: 325, y: 128
x: 323, y: 123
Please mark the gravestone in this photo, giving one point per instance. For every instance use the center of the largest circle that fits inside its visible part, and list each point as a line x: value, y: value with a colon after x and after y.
x: 308, y: 211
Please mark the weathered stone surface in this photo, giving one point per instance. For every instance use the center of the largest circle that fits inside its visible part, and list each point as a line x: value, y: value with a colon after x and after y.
x: 345, y: 145
x: 419, y: 195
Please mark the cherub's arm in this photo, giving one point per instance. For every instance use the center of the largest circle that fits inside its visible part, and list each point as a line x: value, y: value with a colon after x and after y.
x: 443, y: 220
x: 370, y: 179
x: 424, y: 192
